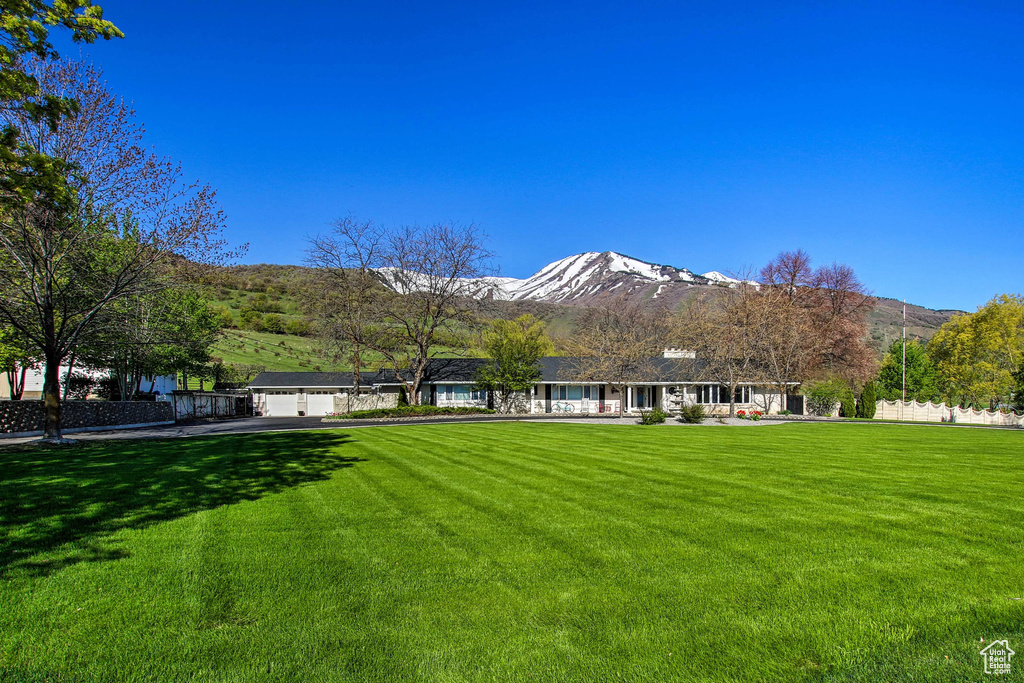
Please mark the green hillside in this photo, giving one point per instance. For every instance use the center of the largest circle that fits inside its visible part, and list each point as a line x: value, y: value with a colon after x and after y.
x: 264, y: 304
x: 276, y: 293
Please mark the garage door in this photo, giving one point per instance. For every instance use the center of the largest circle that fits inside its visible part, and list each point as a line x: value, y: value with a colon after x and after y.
x: 319, y: 403
x: 282, y: 404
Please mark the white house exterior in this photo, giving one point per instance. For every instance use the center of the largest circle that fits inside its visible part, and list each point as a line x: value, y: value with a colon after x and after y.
x: 668, y: 384
x: 162, y: 384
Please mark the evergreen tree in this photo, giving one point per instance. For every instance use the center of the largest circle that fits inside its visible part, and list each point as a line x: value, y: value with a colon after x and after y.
x: 848, y: 404
x: 868, y: 399
x: 922, y: 378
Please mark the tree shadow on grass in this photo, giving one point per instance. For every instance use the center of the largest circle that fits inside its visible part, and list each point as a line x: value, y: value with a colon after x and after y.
x: 58, y: 506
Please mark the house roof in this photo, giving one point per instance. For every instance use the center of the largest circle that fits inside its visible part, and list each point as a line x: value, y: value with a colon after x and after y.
x: 651, y: 371
x: 554, y: 369
x: 291, y: 380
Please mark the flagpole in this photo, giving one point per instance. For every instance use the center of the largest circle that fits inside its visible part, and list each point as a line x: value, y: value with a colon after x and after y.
x: 903, y: 403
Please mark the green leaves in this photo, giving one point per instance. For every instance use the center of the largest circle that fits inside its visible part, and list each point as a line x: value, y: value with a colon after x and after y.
x: 979, y: 354
x: 922, y: 377
x: 515, y: 347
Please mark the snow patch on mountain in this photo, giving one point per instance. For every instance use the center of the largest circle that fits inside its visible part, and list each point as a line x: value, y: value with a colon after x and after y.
x: 581, y: 279
x: 715, y: 276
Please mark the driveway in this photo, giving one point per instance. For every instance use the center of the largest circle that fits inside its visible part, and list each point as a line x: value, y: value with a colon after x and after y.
x: 248, y: 425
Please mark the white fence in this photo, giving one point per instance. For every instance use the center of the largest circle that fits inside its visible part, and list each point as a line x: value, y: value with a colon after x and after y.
x: 196, y: 404
x: 914, y: 411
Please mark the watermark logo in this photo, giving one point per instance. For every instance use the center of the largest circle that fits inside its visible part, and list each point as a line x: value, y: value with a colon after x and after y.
x: 997, y: 657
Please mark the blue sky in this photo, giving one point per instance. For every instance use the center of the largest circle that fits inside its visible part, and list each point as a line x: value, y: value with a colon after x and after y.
x: 702, y: 135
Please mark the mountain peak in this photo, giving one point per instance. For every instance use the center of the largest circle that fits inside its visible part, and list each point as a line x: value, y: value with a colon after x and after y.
x: 591, y: 276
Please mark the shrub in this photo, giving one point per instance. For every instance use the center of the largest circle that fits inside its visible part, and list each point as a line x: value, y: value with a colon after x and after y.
x: 79, y: 385
x: 299, y: 328
x: 755, y: 415
x: 693, y: 414
x: 848, y: 404
x: 868, y: 399
x: 742, y: 414
x: 403, y: 398
x: 273, y: 323
x: 251, y: 319
x: 108, y: 388
x: 823, y: 398
x: 654, y: 416
x: 785, y: 412
x: 261, y: 303
x: 224, y: 317
x: 409, y: 411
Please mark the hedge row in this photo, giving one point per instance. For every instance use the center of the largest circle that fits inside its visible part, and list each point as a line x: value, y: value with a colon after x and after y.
x: 408, y: 411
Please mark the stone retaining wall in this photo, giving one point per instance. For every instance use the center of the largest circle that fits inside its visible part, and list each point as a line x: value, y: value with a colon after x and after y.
x: 348, y: 403
x: 28, y: 416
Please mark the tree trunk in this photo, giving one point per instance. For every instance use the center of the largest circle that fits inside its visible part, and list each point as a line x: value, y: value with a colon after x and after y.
x: 51, y: 399
x: 357, y: 374
x: 16, y: 380
x: 67, y: 381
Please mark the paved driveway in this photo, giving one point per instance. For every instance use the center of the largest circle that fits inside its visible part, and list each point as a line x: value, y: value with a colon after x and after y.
x: 247, y: 425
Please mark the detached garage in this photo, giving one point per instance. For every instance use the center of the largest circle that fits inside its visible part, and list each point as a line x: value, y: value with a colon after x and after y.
x: 289, y: 394
x: 281, y: 403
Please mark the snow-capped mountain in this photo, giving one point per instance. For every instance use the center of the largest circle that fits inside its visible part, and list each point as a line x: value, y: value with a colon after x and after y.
x: 583, y: 279
x: 587, y: 277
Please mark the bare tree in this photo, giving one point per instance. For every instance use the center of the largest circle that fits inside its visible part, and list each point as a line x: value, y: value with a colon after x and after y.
x: 827, y: 333
x: 121, y: 220
x: 429, y: 273
x: 344, y: 294
x: 617, y: 344
x: 790, y: 272
x: 723, y: 331
x: 784, y: 341
x: 839, y: 305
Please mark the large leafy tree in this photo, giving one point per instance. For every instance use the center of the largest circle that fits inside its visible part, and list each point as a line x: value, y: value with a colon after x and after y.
x: 124, y: 225
x: 922, y: 377
x: 166, y: 331
x: 515, y: 348
x: 28, y: 173
x: 979, y: 354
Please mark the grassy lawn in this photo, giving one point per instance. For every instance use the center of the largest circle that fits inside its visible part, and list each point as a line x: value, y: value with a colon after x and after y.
x: 516, y: 552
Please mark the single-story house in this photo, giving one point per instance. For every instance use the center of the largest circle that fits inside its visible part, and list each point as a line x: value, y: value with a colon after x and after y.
x: 668, y: 383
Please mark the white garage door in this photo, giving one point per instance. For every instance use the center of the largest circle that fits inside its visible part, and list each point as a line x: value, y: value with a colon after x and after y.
x: 282, y: 404
x: 319, y: 403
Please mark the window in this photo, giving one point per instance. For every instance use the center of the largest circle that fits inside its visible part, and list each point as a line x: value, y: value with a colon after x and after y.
x: 744, y: 394
x: 567, y: 392
x: 711, y: 393
x: 460, y: 392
